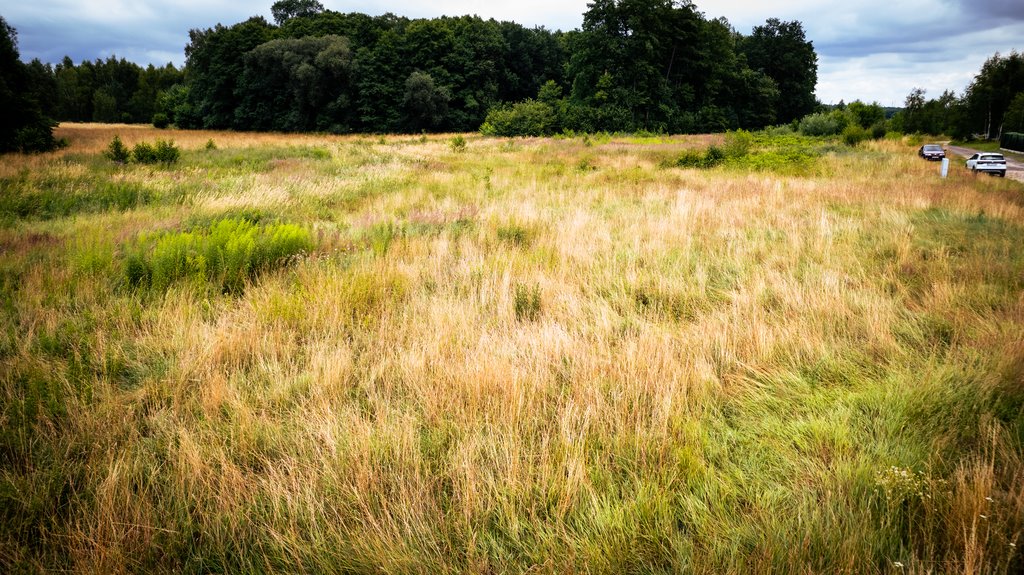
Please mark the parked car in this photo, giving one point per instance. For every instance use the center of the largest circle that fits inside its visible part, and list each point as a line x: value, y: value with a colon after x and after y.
x: 993, y: 164
x: 931, y: 152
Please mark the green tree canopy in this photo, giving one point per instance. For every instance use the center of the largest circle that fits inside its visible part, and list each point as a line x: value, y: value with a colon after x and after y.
x: 425, y: 103
x: 989, y: 96
x: 23, y: 126
x: 285, y: 10
x: 781, y: 51
x: 296, y: 84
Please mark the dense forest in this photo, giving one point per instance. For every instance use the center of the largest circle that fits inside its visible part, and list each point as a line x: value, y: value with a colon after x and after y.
x: 656, y: 65
x: 636, y: 64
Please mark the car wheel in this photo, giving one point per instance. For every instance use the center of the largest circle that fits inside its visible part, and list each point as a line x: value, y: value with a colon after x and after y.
x: 1002, y: 174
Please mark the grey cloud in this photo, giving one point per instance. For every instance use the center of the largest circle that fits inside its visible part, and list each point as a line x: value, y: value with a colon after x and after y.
x: 879, y: 32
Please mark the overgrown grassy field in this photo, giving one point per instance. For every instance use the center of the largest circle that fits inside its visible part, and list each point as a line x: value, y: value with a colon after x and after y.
x: 401, y: 355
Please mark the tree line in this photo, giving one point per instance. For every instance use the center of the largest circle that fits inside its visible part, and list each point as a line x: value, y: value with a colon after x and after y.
x: 656, y: 65
x: 992, y: 104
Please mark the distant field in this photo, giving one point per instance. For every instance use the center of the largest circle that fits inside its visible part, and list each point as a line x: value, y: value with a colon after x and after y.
x: 453, y: 354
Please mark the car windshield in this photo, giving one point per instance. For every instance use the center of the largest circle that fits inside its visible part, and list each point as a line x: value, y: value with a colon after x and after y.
x: 992, y: 157
x: 932, y: 148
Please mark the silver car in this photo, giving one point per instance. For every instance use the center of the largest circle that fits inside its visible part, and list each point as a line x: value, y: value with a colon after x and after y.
x: 993, y: 164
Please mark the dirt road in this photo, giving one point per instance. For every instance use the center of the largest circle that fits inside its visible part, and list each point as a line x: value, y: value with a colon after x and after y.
x: 1014, y: 169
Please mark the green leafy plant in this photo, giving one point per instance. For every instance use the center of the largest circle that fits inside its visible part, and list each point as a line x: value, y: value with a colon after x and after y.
x: 162, y: 152
x: 457, y: 144
x: 711, y: 157
x: 166, y: 152
x: 527, y: 118
x: 854, y: 134
x: 117, y: 151
x: 228, y: 254
x: 738, y: 143
x: 144, y: 153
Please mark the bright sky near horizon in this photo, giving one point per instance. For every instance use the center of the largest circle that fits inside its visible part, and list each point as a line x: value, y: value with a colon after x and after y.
x: 872, y: 50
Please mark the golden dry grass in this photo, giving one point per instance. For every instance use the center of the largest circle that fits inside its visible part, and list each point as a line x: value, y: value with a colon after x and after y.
x: 723, y: 371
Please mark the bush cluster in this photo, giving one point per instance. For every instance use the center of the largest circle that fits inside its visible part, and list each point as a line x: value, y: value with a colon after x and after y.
x: 528, y: 118
x: 227, y: 254
x: 710, y: 158
x: 161, y: 152
x: 823, y: 124
x: 854, y: 134
x: 853, y: 123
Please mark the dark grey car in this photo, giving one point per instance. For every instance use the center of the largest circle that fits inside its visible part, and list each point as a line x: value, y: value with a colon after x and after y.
x: 931, y: 152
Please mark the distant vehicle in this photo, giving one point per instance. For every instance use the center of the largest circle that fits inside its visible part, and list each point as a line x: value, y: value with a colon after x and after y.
x: 993, y: 164
x: 931, y: 152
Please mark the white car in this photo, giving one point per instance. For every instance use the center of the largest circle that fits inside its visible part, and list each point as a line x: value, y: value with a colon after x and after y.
x: 994, y: 164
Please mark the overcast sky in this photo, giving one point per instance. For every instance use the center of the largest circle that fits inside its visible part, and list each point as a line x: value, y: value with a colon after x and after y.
x: 872, y: 50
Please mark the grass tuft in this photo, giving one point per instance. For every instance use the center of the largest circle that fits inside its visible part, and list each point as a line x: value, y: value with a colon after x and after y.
x: 228, y: 255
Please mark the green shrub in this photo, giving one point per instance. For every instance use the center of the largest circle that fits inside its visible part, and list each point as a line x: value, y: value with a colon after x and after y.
x: 878, y: 130
x: 824, y: 123
x: 853, y: 134
x: 381, y: 236
x: 227, y: 254
x: 210, y: 145
x: 163, y: 152
x: 117, y: 151
x: 457, y: 144
x: 160, y: 120
x: 688, y: 159
x: 738, y: 143
x: 783, y: 130
x: 144, y: 153
x: 711, y: 157
x: 37, y: 137
x: 527, y: 118
x: 166, y: 152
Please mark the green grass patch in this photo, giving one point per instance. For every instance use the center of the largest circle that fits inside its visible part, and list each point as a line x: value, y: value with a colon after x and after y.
x: 261, y: 159
x: 25, y: 198
x: 228, y: 254
x: 516, y: 235
x: 526, y: 302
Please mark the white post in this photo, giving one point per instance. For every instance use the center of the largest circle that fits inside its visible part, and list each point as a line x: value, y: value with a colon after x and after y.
x: 945, y: 167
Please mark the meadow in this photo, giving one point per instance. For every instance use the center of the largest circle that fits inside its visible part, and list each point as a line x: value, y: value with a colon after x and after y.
x: 458, y: 354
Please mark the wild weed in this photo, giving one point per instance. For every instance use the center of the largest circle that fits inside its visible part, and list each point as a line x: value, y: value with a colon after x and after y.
x: 457, y: 144
x: 526, y: 302
x: 228, y: 255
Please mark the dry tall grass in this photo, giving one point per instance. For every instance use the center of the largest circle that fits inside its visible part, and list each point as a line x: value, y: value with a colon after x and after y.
x: 534, y: 355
